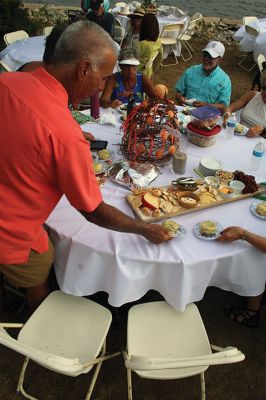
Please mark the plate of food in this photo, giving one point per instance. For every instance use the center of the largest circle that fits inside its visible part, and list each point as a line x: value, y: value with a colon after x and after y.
x: 207, y: 230
x: 240, y: 130
x: 105, y: 154
x: 174, y: 229
x: 259, y: 210
x: 99, y: 167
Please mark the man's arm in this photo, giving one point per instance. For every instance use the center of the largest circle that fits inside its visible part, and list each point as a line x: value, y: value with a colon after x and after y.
x: 111, y: 218
x: 180, y: 88
x: 105, y: 100
x: 237, y: 105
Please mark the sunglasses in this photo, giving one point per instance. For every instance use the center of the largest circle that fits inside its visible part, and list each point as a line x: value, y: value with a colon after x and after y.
x: 208, y: 56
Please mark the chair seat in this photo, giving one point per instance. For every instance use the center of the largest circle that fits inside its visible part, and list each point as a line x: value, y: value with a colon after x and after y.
x: 50, y: 330
x: 168, y: 40
x: 185, y: 37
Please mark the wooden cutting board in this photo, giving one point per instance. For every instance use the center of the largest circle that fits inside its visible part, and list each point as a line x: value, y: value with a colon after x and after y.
x: 136, y: 203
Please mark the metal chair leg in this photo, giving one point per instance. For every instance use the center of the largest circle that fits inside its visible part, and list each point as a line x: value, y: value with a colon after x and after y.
x: 129, y: 384
x: 203, y: 390
x: 95, y: 375
x: 20, y: 387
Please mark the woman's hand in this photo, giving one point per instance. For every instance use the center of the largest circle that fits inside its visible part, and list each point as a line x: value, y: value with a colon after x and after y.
x: 115, y: 103
x: 255, y: 131
x: 231, y: 234
x: 88, y: 136
x: 225, y: 118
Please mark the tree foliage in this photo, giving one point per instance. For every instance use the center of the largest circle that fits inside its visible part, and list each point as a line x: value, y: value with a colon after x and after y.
x: 14, y: 17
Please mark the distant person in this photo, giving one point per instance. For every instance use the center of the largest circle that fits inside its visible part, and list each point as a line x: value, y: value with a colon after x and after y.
x: 101, y: 17
x: 126, y: 82
x: 207, y: 83
x: 253, y: 106
x: 132, y: 36
x: 149, y: 46
x: 248, y: 316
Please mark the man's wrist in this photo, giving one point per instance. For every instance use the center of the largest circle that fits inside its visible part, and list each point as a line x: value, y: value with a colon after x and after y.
x: 245, y: 235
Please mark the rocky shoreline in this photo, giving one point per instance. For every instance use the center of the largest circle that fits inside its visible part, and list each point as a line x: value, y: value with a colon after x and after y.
x: 213, y: 28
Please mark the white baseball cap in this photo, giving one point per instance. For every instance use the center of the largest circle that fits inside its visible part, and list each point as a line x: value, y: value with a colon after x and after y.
x: 215, y: 49
x: 129, y: 61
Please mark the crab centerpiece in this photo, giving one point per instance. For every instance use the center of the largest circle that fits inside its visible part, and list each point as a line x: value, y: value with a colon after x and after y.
x: 150, y: 132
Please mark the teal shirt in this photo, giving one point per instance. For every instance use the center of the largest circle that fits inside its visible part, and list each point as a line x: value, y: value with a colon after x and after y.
x: 215, y: 88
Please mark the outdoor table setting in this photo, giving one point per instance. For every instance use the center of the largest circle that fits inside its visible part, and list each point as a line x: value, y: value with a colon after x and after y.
x: 89, y: 258
x: 251, y: 43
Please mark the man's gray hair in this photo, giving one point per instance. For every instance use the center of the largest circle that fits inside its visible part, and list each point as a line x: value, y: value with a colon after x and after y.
x: 83, y: 40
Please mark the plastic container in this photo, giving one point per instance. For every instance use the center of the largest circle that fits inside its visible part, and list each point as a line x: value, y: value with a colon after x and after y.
x: 230, y: 126
x: 238, y: 186
x: 205, y: 117
x: 202, y: 137
x: 226, y: 191
x: 257, y: 156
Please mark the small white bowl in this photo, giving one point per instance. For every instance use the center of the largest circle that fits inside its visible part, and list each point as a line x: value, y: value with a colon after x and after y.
x: 238, y: 186
x: 212, y: 181
x: 226, y: 191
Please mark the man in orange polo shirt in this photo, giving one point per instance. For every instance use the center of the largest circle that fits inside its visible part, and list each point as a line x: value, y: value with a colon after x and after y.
x: 44, y: 155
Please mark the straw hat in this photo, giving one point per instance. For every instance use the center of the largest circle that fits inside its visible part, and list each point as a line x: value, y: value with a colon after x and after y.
x: 138, y: 12
x: 124, y: 10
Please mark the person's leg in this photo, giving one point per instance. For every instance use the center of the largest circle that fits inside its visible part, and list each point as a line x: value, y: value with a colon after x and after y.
x: 31, y: 275
x: 254, y: 303
x: 248, y: 316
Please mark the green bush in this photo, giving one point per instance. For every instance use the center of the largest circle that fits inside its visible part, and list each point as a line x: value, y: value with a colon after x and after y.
x: 14, y: 17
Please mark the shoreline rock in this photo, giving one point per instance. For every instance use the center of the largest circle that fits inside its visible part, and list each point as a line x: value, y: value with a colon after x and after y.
x: 213, y: 28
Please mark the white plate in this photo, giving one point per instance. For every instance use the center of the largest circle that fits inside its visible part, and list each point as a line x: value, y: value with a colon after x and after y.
x: 104, y: 167
x: 182, y: 232
x: 112, y: 154
x: 196, y: 231
x: 254, y: 212
x: 244, y: 132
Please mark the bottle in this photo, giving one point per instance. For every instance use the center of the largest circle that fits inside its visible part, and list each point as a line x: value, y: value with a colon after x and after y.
x: 257, y: 156
x: 131, y: 103
x: 179, y: 162
x: 230, y: 126
x: 95, y: 106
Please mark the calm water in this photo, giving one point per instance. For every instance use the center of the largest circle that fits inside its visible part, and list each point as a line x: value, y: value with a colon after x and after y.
x: 226, y: 8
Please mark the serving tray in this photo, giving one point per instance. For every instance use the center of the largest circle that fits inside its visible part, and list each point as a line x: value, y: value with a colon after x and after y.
x: 170, y: 207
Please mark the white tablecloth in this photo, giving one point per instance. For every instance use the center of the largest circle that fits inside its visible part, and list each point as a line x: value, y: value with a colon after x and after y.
x: 90, y: 259
x: 23, y: 51
x: 249, y: 43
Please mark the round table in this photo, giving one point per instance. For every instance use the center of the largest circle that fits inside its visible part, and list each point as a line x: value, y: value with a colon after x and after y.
x: 89, y: 258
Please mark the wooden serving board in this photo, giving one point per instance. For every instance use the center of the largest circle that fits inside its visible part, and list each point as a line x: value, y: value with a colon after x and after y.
x: 134, y: 200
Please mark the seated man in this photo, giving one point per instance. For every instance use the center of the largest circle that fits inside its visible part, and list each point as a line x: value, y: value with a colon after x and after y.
x: 100, y: 17
x: 207, y: 83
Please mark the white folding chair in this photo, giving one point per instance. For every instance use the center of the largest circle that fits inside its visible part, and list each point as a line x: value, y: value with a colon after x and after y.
x: 248, y: 20
x: 251, y: 29
x: 163, y: 343
x: 169, y: 37
x: 15, y: 36
x: 4, y: 67
x: 119, y: 33
x: 187, y: 35
x: 66, y: 334
x: 260, y: 60
x: 47, y: 30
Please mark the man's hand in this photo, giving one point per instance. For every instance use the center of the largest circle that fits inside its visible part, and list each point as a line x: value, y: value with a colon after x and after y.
x: 156, y: 234
x: 115, y: 103
x: 88, y: 136
x: 231, y: 234
x: 199, y: 103
x: 255, y: 131
x: 180, y: 99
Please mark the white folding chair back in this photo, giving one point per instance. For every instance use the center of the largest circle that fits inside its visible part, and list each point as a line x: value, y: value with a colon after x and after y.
x: 66, y: 334
x: 193, y: 25
x: 169, y: 37
x: 260, y: 60
x: 163, y: 343
x: 248, y: 20
x: 15, y: 36
x: 4, y: 67
x: 47, y: 30
x: 119, y: 34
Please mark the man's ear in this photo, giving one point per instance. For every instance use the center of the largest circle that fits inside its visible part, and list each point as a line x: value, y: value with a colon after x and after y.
x: 83, y: 68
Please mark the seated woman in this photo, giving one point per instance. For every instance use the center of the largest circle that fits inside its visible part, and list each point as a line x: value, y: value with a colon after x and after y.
x: 150, y: 50
x: 132, y: 36
x: 126, y: 82
x: 253, y: 114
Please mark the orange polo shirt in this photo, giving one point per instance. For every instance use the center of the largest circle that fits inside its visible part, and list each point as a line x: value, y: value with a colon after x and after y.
x: 43, y: 156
